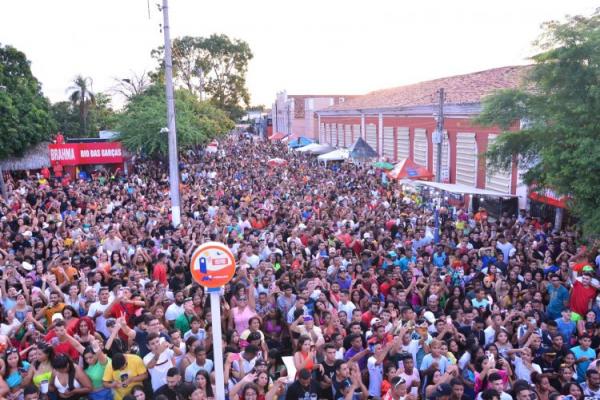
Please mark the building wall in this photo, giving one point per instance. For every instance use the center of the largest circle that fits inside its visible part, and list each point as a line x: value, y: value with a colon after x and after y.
x: 454, y: 126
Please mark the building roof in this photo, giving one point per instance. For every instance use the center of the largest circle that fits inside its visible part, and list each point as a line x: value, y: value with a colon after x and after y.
x: 300, y: 98
x: 36, y: 157
x: 459, y: 89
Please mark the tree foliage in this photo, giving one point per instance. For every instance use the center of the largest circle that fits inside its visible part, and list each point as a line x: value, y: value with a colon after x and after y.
x: 100, y: 116
x: 25, y: 117
x: 560, y: 107
x: 216, y: 64
x: 82, y: 97
x: 145, y: 115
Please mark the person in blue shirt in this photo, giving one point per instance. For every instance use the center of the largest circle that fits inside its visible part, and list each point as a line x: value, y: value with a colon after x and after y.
x: 584, y: 355
x: 408, y: 258
x: 559, y: 297
x: 439, y: 257
x: 566, y: 327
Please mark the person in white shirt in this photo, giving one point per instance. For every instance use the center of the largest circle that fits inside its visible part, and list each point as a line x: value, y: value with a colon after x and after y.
x: 375, y: 366
x: 345, y: 304
x: 96, y: 311
x: 160, y: 359
x: 201, y: 363
x: 410, y: 374
x: 176, y: 309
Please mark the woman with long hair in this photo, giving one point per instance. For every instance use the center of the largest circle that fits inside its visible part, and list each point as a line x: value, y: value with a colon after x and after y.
x: 14, y: 370
x: 41, y: 370
x: 542, y: 385
x: 203, y: 383
x: 189, y: 357
x: 241, y: 314
x: 304, y: 357
x: 572, y: 389
x: 69, y: 381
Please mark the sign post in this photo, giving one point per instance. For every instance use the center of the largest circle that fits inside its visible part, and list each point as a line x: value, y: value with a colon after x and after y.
x: 213, y: 266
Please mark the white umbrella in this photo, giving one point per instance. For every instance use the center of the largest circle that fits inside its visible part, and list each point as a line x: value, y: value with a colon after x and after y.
x: 316, y: 148
x: 336, y: 155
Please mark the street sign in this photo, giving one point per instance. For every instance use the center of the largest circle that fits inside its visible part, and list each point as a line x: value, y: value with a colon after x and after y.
x: 212, y: 265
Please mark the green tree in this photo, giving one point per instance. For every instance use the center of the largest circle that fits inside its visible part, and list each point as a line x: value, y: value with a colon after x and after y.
x: 25, y: 117
x: 100, y: 116
x: 82, y: 97
x: 145, y: 115
x: 66, y: 117
x: 217, y: 65
x: 559, y: 105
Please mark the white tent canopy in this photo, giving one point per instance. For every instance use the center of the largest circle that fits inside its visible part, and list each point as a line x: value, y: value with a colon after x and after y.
x: 336, y: 155
x: 458, y: 188
x: 316, y: 148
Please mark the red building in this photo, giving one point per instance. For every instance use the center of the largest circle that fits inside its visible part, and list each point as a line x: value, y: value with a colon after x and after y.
x: 399, y: 123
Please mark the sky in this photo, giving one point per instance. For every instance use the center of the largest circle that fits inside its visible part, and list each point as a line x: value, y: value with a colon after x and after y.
x: 304, y: 47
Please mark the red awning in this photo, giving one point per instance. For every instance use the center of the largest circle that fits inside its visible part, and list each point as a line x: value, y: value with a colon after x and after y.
x: 409, y: 169
x: 277, y: 136
x: 550, y: 198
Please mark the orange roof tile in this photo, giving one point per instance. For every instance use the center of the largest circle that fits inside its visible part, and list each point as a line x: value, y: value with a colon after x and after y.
x: 460, y: 89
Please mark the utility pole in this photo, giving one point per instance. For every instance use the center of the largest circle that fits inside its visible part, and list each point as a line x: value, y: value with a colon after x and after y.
x: 439, y: 135
x: 289, y: 120
x: 173, y: 160
x: 2, y: 184
x: 438, y: 138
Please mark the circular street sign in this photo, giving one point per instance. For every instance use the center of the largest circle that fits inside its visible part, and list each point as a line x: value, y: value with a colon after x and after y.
x: 212, y: 265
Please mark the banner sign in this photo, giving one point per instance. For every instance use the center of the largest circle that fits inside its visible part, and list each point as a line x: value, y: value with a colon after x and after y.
x: 86, y: 153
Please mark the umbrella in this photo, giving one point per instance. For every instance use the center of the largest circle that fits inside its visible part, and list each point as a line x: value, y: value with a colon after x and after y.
x: 277, y: 136
x: 383, y: 165
x: 276, y: 162
x: 409, y: 169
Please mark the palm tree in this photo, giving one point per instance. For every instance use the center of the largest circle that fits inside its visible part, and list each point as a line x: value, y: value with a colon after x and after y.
x: 81, y: 95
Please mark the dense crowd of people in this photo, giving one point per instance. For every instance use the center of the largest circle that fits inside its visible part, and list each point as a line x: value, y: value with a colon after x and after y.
x: 342, y: 290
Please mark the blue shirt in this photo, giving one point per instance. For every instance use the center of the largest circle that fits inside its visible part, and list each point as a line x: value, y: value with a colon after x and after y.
x: 439, y: 259
x: 566, y: 329
x: 558, y: 296
x: 583, y: 366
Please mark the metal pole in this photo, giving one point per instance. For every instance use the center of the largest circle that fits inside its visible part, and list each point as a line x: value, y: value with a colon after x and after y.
x: 289, y: 126
x: 2, y: 184
x: 215, y: 312
x: 440, y: 132
x: 173, y: 161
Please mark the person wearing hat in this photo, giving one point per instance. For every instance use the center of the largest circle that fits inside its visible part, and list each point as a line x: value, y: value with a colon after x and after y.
x: 308, y: 328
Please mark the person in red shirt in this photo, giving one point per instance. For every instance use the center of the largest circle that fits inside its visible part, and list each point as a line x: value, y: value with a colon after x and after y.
x: 124, y: 306
x: 46, y: 173
x: 62, y: 342
x: 159, y: 272
x: 582, y: 295
x: 58, y: 170
x: 372, y: 312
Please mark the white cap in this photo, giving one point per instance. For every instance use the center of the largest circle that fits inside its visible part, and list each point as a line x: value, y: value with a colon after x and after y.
x: 26, y: 266
x: 57, y: 316
x: 428, y: 315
